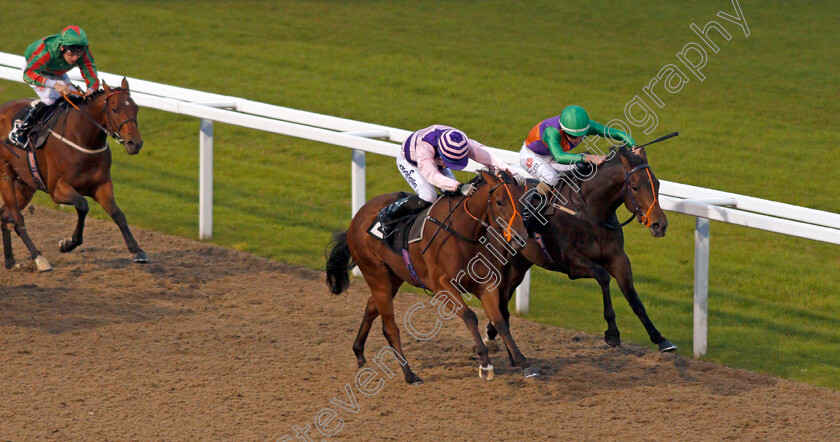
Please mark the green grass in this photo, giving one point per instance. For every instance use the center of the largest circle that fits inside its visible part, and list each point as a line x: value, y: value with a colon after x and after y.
x: 762, y: 123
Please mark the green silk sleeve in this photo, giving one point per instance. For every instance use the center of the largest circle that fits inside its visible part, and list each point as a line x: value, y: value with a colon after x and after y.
x: 551, y: 137
x: 615, y: 134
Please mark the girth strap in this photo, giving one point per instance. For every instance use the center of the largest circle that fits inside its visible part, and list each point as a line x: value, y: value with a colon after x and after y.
x: 452, y: 231
x: 33, y: 168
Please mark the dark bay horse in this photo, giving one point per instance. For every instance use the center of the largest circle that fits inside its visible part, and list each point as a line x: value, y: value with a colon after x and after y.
x: 493, y: 209
x: 590, y: 243
x: 74, y: 162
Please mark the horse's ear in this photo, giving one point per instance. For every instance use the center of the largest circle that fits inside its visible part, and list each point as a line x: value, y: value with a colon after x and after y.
x: 124, y: 84
x: 105, y: 87
x: 624, y: 160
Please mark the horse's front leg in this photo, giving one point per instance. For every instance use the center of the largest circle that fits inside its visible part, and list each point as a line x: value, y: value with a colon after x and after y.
x: 620, y: 269
x: 485, y: 368
x: 504, y: 300
x: 104, y: 195
x: 490, y: 302
x: 64, y: 193
x: 10, y: 201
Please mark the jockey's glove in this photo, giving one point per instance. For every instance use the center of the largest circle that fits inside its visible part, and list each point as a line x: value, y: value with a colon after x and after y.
x: 466, y: 189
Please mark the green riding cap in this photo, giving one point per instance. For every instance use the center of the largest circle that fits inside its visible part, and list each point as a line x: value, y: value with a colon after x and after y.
x: 73, y: 36
x: 574, y: 121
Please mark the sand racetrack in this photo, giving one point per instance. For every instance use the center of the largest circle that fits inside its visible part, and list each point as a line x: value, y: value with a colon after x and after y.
x: 210, y: 343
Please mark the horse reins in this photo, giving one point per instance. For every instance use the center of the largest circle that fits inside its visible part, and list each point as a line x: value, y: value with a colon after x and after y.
x: 443, y: 226
x: 508, y: 235
x: 643, y: 218
x: 114, y: 134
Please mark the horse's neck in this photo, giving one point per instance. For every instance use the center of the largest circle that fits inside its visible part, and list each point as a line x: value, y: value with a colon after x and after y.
x: 86, y: 131
x: 477, y: 207
x: 602, y: 194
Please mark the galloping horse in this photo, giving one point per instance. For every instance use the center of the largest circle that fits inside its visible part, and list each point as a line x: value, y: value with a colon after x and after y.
x: 74, y: 162
x: 493, y: 208
x: 590, y: 242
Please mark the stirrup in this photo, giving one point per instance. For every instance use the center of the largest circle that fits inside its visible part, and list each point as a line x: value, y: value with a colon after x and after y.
x: 384, y: 222
x: 18, y: 139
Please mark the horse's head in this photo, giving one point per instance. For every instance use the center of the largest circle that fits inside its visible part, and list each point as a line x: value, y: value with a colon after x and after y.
x: 121, y: 117
x: 504, y: 211
x: 641, y: 192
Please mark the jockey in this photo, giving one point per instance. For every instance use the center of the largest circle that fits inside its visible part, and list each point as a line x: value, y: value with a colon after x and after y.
x: 545, y: 152
x: 47, y: 62
x: 426, y: 161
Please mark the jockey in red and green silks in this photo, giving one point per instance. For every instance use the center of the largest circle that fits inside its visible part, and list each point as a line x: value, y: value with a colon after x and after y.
x: 47, y: 62
x: 545, y: 152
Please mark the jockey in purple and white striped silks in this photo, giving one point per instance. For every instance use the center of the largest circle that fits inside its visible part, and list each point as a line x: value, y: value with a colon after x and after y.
x: 429, y: 155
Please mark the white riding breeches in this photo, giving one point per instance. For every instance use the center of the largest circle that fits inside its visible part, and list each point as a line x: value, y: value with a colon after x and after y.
x: 542, y: 167
x: 415, y: 179
x: 48, y: 95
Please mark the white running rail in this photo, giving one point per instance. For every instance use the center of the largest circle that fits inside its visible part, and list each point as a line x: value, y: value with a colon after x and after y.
x: 704, y: 204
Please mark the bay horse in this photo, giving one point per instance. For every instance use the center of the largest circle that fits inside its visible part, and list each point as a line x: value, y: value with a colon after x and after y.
x: 493, y: 207
x: 590, y: 242
x: 74, y: 162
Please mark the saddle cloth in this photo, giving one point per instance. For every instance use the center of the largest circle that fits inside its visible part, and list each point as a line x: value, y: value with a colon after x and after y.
x: 408, y: 229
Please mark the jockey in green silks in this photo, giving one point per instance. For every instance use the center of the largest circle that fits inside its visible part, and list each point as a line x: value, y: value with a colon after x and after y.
x: 47, y: 62
x: 545, y: 153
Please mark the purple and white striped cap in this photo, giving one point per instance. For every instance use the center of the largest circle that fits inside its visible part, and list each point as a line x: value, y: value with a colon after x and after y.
x: 454, y: 149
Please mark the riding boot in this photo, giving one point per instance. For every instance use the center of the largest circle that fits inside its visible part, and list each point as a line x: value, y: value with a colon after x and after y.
x: 20, y: 128
x: 543, y: 193
x: 398, y: 209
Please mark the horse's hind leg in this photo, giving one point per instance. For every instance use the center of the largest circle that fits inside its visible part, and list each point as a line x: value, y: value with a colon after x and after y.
x: 64, y: 193
x: 104, y: 195
x: 8, y: 193
x: 582, y: 267
x: 621, y: 271
x: 359, y: 346
x: 383, y: 287
x: 8, y: 253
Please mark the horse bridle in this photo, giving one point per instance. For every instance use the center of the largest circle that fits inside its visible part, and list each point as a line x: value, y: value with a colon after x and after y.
x: 507, y: 234
x: 114, y: 134
x: 643, y: 218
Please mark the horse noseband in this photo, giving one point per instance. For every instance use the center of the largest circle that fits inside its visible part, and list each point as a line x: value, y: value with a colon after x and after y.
x: 643, y: 218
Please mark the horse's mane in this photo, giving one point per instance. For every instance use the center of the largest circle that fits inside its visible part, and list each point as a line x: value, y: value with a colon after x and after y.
x: 489, y: 169
x: 77, y: 100
x: 633, y: 159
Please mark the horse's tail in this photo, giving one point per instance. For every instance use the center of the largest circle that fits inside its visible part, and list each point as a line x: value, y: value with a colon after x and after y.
x: 339, y: 263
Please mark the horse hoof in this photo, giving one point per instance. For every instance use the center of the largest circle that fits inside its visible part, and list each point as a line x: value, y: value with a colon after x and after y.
x: 66, y: 245
x: 42, y: 264
x: 613, y: 340
x: 488, y: 373
x: 414, y: 380
x: 10, y: 264
x: 530, y: 372
x: 141, y: 258
x: 667, y: 346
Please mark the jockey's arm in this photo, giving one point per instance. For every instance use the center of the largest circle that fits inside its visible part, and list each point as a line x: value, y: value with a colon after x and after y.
x: 551, y: 137
x: 609, y: 132
x: 425, y: 157
x: 31, y: 74
x: 88, y: 68
x: 480, y: 154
